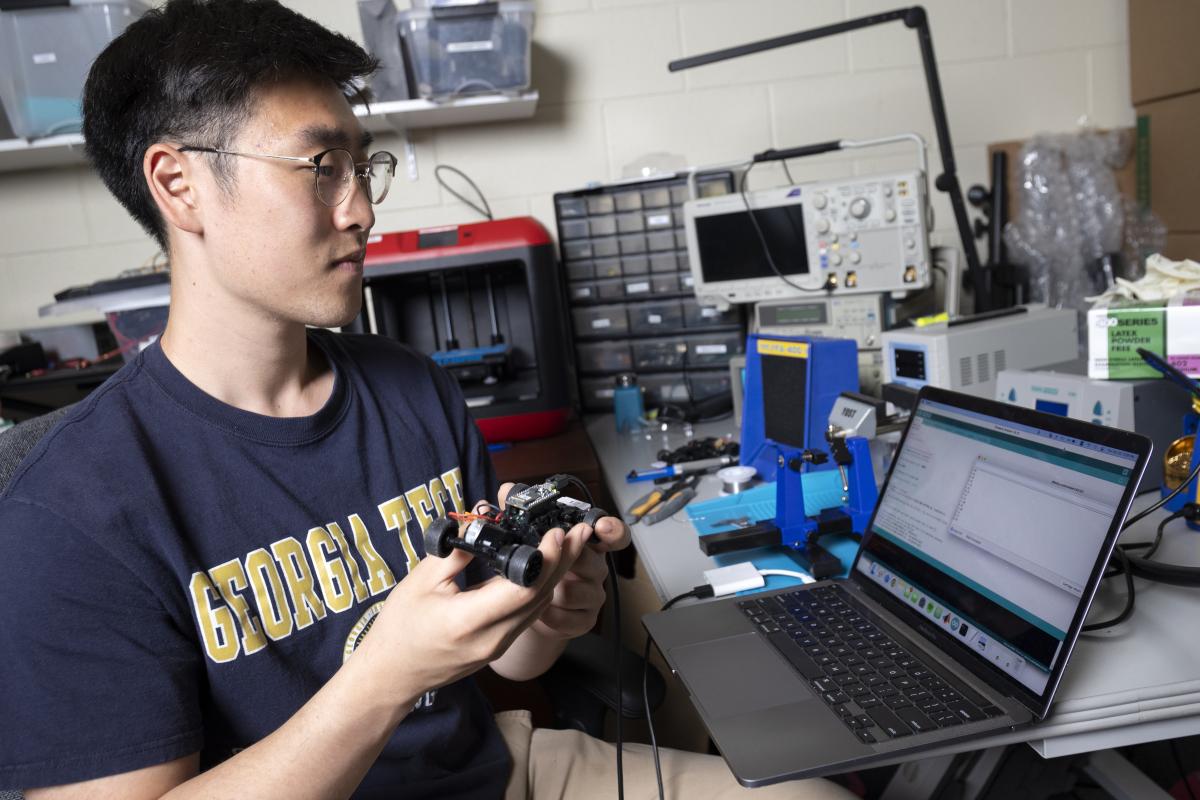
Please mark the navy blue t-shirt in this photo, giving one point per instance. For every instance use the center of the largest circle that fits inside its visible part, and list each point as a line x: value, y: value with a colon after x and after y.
x: 178, y: 575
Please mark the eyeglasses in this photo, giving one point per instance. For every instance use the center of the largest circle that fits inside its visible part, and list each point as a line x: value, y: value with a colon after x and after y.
x: 333, y: 170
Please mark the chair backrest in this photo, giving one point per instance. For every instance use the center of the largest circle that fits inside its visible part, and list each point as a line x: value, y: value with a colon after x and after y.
x: 17, y: 441
x: 15, y: 444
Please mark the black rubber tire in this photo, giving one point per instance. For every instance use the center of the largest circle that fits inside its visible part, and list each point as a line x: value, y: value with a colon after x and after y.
x: 524, y: 565
x: 438, y: 536
x: 592, y: 516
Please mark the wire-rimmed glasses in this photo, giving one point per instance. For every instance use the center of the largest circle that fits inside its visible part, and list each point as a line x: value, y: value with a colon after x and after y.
x: 333, y: 170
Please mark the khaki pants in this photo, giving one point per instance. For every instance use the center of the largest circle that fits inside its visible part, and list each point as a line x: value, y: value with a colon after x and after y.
x: 570, y: 764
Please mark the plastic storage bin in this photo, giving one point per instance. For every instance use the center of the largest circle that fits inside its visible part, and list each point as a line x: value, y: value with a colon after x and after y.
x: 600, y: 321
x: 380, y: 28
x: 654, y: 318
x: 604, y: 357
x: 45, y: 55
x: 658, y: 354
x: 469, y: 49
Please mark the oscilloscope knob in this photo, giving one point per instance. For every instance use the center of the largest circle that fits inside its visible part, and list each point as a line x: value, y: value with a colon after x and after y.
x: 860, y: 207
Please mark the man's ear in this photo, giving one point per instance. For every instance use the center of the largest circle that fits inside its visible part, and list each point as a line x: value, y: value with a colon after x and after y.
x: 171, y: 176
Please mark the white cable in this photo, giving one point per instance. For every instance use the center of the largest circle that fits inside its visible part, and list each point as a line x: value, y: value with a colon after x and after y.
x: 744, y: 576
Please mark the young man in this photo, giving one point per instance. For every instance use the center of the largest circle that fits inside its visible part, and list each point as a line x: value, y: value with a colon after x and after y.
x: 212, y: 572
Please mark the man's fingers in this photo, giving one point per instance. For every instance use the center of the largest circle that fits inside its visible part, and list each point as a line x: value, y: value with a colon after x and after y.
x: 591, y: 565
x: 575, y: 594
x: 502, y: 495
x: 442, y: 571
x: 611, y: 534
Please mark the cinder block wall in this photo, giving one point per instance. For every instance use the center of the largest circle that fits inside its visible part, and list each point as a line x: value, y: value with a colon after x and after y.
x: 1009, y: 68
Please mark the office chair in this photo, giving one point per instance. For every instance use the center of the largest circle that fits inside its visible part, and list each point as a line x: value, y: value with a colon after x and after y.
x: 582, y: 684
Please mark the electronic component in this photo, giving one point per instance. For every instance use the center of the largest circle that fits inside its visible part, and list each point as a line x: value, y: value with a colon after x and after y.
x: 1149, y: 406
x: 849, y: 236
x: 508, y: 540
x: 966, y: 354
x: 859, y: 317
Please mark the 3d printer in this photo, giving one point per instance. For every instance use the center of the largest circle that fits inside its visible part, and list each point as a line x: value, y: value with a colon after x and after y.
x: 484, y: 301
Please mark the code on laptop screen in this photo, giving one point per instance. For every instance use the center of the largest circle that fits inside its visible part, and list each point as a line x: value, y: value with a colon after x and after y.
x: 991, y: 529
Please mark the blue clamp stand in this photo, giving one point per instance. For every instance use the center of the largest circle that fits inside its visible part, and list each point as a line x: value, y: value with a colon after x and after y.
x: 791, y: 385
x: 859, y: 501
x: 792, y: 526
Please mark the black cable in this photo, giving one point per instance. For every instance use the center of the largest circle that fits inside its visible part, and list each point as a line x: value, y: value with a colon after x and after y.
x: 1124, y: 568
x: 1183, y: 774
x: 616, y: 605
x: 646, y: 703
x: 485, y: 211
x: 828, y: 287
x: 787, y: 172
x: 1127, y: 611
x: 1158, y: 535
x: 1163, y: 501
x: 699, y: 591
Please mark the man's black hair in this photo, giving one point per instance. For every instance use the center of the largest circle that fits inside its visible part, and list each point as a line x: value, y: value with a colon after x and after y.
x: 187, y: 73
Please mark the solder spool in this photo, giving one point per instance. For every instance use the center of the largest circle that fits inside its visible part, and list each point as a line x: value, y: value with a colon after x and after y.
x: 736, y: 479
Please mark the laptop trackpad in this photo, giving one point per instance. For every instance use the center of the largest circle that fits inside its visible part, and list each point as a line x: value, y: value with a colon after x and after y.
x: 738, y: 674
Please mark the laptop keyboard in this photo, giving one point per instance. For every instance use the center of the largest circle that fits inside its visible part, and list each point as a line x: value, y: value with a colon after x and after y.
x: 879, y: 689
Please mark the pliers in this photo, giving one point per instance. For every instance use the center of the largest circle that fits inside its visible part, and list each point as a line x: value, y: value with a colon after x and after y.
x: 661, y: 503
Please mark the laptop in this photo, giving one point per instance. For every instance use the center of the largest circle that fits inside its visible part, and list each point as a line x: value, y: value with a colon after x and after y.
x: 958, y: 617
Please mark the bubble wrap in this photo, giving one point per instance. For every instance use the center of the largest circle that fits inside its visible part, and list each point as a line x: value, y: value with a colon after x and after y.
x: 1070, y: 230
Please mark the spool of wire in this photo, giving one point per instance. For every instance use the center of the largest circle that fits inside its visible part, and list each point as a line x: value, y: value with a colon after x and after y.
x: 736, y: 479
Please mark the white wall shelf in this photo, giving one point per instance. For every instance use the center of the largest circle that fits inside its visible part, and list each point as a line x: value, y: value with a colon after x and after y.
x: 53, y: 151
x: 395, y: 116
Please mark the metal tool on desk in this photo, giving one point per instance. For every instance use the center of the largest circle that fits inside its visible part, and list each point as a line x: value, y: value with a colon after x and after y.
x: 853, y: 421
x: 675, y: 470
x: 680, y: 495
x: 642, y: 506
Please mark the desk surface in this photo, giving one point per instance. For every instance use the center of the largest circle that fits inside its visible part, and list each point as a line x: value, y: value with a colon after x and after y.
x: 1138, y: 682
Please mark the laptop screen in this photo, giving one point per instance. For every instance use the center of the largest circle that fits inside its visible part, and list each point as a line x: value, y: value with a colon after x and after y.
x: 990, y: 529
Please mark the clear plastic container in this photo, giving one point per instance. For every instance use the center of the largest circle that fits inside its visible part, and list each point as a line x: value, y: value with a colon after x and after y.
x: 665, y: 388
x: 714, y: 350
x: 698, y: 316
x: 658, y: 354
x: 708, y: 383
x: 600, y: 321
x: 604, y: 357
x: 469, y: 49
x: 45, y: 55
x: 655, y: 318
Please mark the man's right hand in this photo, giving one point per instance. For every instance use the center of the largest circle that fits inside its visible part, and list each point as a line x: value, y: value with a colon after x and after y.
x: 431, y: 633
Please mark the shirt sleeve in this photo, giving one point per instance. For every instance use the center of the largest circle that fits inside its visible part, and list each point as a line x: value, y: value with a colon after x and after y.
x: 98, y: 678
